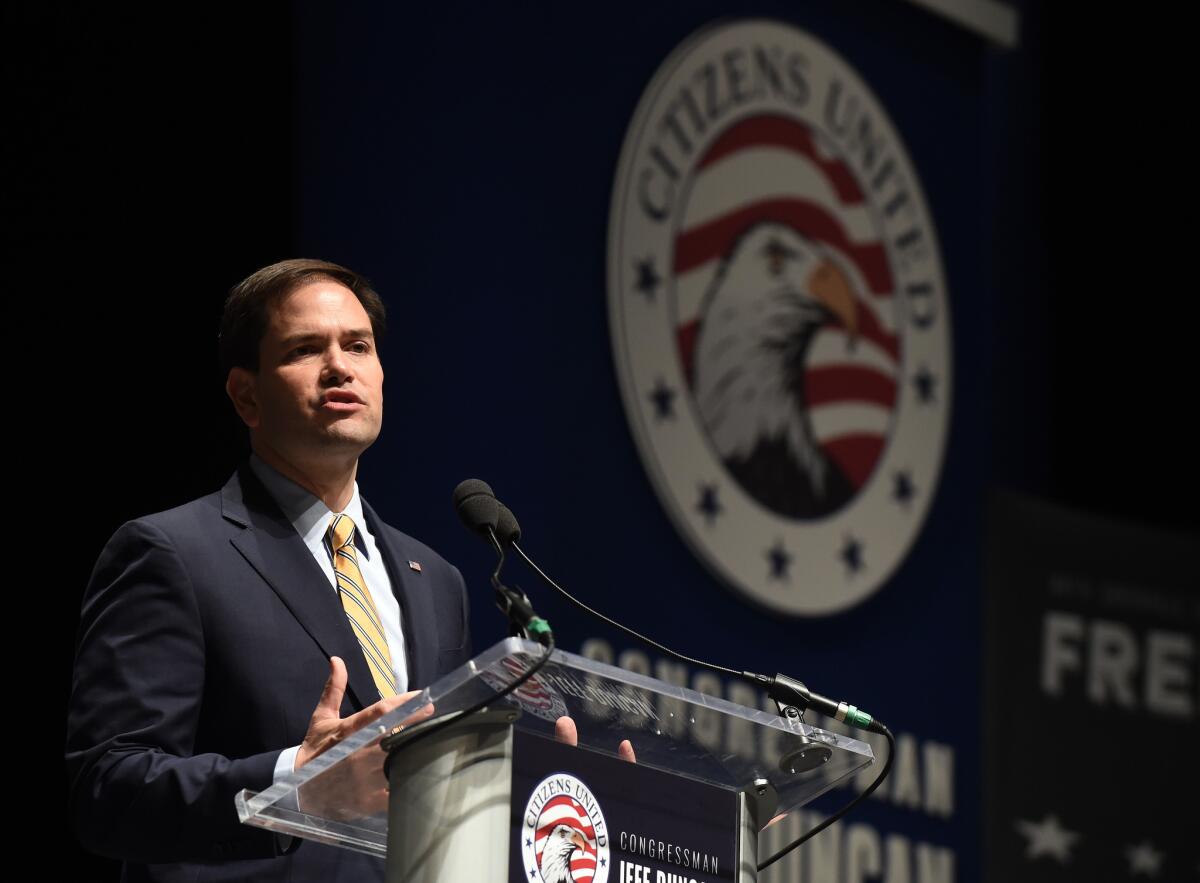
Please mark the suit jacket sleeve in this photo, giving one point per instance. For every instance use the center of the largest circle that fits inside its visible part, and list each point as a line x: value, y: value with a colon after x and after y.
x: 137, y: 791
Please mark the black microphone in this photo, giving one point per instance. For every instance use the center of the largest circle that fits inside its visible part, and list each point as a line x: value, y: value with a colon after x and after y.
x: 483, y: 514
x: 790, y: 693
x: 477, y: 506
x: 507, y: 529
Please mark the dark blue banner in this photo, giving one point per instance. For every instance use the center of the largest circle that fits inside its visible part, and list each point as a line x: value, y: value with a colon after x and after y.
x: 562, y: 208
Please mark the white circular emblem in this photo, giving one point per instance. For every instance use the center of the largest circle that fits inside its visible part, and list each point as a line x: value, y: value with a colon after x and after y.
x: 563, y: 835
x: 779, y: 317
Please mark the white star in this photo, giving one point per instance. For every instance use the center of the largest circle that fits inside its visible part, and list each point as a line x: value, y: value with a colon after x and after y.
x: 1047, y: 837
x: 1144, y: 859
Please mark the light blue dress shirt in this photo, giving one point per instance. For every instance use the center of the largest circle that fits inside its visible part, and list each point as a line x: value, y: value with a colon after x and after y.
x: 311, y: 517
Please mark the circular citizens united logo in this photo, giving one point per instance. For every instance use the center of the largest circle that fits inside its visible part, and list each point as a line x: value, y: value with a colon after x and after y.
x: 563, y: 836
x: 779, y: 317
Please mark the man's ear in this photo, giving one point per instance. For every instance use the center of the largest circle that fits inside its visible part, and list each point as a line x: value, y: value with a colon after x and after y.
x: 242, y: 389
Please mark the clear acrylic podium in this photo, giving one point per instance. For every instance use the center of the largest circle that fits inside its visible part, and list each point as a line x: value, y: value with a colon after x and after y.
x: 452, y: 798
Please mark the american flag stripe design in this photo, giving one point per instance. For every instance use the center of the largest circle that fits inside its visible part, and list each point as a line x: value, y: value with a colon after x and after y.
x: 708, y: 242
x: 770, y: 168
x: 566, y: 810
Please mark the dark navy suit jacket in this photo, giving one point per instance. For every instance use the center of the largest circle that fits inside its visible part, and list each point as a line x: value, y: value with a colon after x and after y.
x: 204, y: 644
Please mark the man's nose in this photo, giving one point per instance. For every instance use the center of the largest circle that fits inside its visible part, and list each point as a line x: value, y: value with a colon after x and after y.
x: 337, y: 367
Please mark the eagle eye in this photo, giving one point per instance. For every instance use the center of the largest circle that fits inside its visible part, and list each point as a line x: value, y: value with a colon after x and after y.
x: 777, y: 255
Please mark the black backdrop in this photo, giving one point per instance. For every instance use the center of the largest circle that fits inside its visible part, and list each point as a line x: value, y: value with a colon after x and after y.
x: 159, y: 160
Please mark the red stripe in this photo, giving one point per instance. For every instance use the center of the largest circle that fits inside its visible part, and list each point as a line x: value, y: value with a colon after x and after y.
x: 856, y: 455
x: 838, y: 384
x: 773, y: 131
x: 713, y: 240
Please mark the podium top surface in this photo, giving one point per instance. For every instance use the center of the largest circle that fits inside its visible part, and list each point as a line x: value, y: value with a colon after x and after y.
x: 672, y: 728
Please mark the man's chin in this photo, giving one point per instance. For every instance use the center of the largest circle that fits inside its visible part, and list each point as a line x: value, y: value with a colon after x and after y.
x: 343, y: 437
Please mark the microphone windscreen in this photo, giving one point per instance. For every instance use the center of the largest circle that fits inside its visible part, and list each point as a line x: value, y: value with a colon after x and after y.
x: 476, y: 505
x: 507, y: 529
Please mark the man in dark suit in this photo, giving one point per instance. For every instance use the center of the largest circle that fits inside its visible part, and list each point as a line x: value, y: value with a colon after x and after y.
x: 207, y: 630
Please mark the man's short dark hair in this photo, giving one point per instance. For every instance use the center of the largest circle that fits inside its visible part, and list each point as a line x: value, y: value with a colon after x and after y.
x: 247, y: 308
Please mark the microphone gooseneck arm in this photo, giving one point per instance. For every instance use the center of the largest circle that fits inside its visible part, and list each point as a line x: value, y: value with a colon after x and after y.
x: 482, y: 514
x: 514, y: 604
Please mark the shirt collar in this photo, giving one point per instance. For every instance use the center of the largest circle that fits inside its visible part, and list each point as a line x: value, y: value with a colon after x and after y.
x: 307, y: 512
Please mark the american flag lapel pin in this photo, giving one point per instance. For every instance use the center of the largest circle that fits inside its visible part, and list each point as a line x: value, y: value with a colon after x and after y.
x: 414, y: 565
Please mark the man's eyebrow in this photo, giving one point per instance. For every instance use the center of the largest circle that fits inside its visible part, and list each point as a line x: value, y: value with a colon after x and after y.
x: 305, y: 336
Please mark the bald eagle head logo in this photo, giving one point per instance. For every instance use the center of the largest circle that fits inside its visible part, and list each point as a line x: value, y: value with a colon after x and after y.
x: 556, y: 854
x: 775, y: 289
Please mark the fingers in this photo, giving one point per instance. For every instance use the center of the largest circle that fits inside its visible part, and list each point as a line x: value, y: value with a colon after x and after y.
x: 625, y: 751
x: 419, y: 715
x: 384, y: 706
x: 565, y: 731
x: 330, y: 702
x: 327, y: 728
x: 372, y: 712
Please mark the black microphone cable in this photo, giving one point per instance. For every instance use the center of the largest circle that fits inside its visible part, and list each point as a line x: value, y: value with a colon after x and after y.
x: 617, y: 625
x: 782, y: 689
x: 790, y: 695
x: 786, y: 691
x: 867, y: 792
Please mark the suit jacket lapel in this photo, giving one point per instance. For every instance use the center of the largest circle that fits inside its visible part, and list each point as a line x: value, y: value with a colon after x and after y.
x: 416, y: 607
x: 273, y: 548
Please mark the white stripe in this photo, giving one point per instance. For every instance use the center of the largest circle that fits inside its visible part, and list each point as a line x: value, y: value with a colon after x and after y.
x: 557, y: 813
x: 829, y: 349
x: 690, y: 289
x: 758, y: 173
x: 833, y: 421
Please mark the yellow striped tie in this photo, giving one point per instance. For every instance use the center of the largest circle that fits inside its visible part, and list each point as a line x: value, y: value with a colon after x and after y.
x: 356, y: 600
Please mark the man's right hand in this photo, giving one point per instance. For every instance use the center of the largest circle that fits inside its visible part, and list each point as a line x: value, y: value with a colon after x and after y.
x: 326, y: 728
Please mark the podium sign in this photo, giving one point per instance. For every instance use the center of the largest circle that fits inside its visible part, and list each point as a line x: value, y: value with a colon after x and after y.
x: 596, y: 814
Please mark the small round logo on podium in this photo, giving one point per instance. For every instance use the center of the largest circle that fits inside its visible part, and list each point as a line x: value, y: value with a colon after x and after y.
x: 779, y: 317
x: 535, y: 696
x: 564, y: 838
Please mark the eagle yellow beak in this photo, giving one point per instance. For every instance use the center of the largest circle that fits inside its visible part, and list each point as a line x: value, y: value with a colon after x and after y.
x: 831, y: 287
